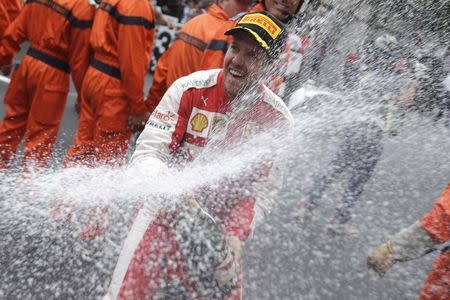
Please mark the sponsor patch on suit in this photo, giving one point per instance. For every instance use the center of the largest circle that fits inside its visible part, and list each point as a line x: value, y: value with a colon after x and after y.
x: 202, y: 123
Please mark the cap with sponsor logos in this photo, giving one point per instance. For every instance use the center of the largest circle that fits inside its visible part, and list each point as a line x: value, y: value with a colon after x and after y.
x: 268, y: 31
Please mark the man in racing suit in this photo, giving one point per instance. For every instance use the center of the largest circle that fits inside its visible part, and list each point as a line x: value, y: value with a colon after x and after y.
x: 200, y: 110
x: 184, y: 55
x: 419, y: 239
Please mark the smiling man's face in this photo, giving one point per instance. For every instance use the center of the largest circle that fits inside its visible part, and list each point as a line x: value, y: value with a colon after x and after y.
x: 282, y: 9
x: 243, y: 63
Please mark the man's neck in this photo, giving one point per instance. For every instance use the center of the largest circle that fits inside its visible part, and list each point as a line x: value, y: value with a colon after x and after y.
x: 246, y: 98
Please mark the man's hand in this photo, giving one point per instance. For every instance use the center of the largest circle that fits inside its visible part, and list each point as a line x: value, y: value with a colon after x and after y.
x: 62, y: 211
x: 6, y: 70
x: 381, y: 258
x: 137, y: 122
x: 97, y: 222
x: 203, y: 244
x: 227, y: 273
x: 77, y: 107
x: 235, y: 245
x: 170, y: 24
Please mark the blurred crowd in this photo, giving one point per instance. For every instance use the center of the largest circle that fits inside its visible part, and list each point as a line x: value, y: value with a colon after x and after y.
x: 424, y: 88
x: 105, y: 47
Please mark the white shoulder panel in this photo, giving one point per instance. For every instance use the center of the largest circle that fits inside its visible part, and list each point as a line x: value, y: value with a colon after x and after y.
x: 276, y: 102
x: 199, y: 80
x: 152, y: 147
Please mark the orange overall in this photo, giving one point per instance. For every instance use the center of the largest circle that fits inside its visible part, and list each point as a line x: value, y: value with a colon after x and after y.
x: 4, y: 19
x: 9, y: 10
x: 437, y: 224
x: 13, y: 8
x: 184, y: 56
x: 37, y: 94
x: 121, y: 40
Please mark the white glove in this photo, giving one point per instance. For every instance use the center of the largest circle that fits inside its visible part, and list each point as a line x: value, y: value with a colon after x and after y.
x: 381, y: 259
x: 95, y: 3
x: 227, y: 273
x: 209, y: 256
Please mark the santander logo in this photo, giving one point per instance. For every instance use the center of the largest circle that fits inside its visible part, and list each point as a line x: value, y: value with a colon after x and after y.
x: 163, y: 116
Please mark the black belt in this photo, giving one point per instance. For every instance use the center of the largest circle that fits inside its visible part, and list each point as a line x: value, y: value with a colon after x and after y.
x: 192, y: 40
x: 107, y: 69
x: 49, y: 60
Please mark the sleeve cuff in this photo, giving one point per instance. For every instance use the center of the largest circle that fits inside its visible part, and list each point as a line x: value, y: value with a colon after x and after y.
x: 138, y: 108
x: 412, y: 242
x: 151, y: 106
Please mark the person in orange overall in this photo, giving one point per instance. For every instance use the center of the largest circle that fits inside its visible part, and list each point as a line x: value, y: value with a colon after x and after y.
x: 112, y: 92
x: 4, y: 19
x: 9, y: 10
x: 13, y: 8
x: 215, y: 52
x: 184, y: 56
x: 419, y: 239
x: 36, y: 97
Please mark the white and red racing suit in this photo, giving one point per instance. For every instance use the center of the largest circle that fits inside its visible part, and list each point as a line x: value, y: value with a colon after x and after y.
x: 188, y: 116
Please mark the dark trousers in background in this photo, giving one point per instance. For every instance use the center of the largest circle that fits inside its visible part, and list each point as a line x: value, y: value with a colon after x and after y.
x: 359, y: 152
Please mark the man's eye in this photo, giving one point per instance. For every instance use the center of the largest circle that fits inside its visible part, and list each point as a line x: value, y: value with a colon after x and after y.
x: 253, y: 55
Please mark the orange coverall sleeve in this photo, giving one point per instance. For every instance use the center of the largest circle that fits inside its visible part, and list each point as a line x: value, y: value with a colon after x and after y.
x: 214, y: 55
x: 159, y: 84
x: 79, y: 51
x: 4, y: 20
x: 134, y: 47
x: 13, y: 7
x: 14, y: 35
x: 437, y: 221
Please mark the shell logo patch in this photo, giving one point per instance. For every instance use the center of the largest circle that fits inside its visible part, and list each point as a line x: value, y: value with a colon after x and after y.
x: 199, y: 122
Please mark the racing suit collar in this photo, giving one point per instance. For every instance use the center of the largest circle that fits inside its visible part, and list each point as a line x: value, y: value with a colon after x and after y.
x: 221, y: 88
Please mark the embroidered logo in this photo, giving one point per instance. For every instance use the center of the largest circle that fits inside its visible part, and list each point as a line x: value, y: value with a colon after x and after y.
x: 263, y: 22
x: 250, y: 130
x: 163, y: 116
x: 199, y: 122
x: 204, y: 100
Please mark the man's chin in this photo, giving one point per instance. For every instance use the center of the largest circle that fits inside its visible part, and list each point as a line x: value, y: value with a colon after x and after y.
x: 231, y: 93
x: 233, y: 86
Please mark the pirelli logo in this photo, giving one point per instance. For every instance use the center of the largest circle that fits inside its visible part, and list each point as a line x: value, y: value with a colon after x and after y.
x: 264, y: 22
